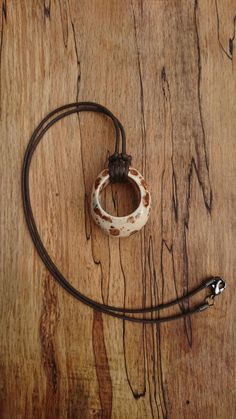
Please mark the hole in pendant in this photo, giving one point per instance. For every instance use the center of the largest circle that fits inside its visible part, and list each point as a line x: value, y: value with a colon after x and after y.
x: 120, y: 199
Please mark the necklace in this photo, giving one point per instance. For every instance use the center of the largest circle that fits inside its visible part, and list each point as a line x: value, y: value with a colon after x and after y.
x: 119, y: 170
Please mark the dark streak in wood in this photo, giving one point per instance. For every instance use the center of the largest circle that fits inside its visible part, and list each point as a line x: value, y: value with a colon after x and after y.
x: 165, y: 407
x: 136, y: 394
x: 48, y: 326
x: 143, y: 124
x: 169, y: 122
x: 141, y: 8
x: 87, y: 217
x: 231, y: 40
x: 203, y: 172
x: 64, y: 21
x: 167, y: 102
x: 78, y: 63
x: 102, y: 366
x: 4, y: 9
x: 174, y: 196
x: 229, y: 56
x: 151, y: 373
x: 164, y: 245
x: 187, y: 320
x: 4, y: 18
x: 114, y: 200
x: 156, y: 346
x: 47, y: 9
x: 231, y: 46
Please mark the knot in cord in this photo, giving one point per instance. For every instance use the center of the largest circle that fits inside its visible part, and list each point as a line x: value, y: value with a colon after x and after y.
x: 118, y: 167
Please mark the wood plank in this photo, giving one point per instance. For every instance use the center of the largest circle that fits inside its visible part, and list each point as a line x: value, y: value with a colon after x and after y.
x: 166, y: 69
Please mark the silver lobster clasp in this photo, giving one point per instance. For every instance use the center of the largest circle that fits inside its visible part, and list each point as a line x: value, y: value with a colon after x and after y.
x: 218, y: 285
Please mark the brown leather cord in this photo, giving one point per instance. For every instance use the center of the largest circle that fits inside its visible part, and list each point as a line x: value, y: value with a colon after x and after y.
x: 118, y: 171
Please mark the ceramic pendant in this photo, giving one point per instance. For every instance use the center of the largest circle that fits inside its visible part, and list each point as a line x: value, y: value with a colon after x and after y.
x: 126, y: 225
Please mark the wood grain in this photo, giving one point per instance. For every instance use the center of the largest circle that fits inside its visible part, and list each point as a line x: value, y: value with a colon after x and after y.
x: 166, y: 68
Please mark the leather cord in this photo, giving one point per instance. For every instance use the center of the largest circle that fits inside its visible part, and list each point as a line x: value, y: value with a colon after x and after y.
x: 117, y: 172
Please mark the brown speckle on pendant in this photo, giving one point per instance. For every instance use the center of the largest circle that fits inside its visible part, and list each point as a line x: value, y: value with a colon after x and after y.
x: 105, y: 172
x: 114, y: 231
x: 130, y: 219
x: 106, y: 218
x: 133, y: 232
x: 146, y: 199
x: 134, y: 172
x: 98, y: 211
x: 101, y: 215
x: 97, y: 182
x: 144, y: 184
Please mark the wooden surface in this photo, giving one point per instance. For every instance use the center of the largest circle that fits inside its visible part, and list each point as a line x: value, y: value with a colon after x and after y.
x: 167, y: 70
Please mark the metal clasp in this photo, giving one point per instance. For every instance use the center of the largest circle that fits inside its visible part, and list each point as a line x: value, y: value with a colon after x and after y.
x: 218, y: 285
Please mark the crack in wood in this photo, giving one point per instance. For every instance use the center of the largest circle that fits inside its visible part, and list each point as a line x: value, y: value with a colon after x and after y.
x: 169, y: 246
x: 64, y: 21
x: 156, y: 405
x: 78, y: 63
x: 87, y: 217
x: 229, y: 54
x: 4, y: 9
x: 163, y: 401
x: 187, y: 320
x: 88, y: 223
x: 3, y: 20
x: 231, y: 40
x: 205, y: 185
x: 167, y: 102
x: 143, y: 124
x: 155, y: 359
x: 136, y: 394
x: 47, y: 9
